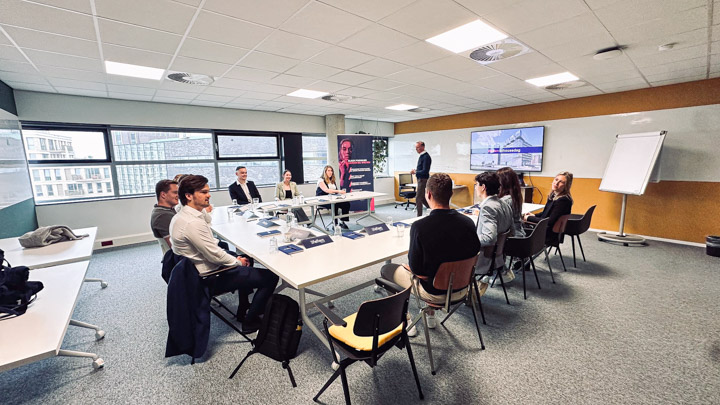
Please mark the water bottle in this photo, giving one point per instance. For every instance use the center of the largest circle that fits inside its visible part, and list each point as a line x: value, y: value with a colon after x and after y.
x: 273, y: 244
x: 338, y: 230
x: 301, y: 198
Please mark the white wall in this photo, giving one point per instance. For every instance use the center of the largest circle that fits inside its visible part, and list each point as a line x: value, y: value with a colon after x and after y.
x: 583, y: 145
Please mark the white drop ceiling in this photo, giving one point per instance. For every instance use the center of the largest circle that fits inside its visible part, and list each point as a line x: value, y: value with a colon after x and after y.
x: 373, y: 50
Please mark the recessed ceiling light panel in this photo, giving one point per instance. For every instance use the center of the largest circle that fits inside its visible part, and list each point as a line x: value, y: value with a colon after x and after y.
x: 468, y: 36
x: 308, y: 93
x: 552, y: 79
x: 401, y: 107
x: 125, y: 69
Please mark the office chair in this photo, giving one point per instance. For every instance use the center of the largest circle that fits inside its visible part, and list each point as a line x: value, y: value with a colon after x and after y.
x: 405, y: 191
x: 526, y: 248
x: 559, y: 229
x: 492, y: 252
x: 377, y: 326
x: 577, y: 225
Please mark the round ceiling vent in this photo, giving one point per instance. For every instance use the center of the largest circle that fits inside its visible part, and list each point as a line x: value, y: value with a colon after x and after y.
x: 337, y: 97
x: 498, y: 51
x: 419, y: 109
x: 567, y: 85
x: 191, y: 78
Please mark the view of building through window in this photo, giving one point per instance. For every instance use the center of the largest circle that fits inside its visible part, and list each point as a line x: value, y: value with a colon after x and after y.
x: 314, y: 156
x: 261, y: 172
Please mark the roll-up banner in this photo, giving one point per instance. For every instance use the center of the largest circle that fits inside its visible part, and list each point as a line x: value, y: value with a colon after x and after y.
x: 355, y: 161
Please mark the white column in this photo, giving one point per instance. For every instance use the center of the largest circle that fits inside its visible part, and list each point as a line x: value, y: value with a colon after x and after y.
x: 334, y: 125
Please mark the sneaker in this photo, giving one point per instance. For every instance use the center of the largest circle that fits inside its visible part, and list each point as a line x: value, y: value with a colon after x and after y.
x: 412, y: 332
x: 431, y: 321
x: 343, y: 225
x: 482, y: 288
x: 250, y: 325
x: 485, y: 279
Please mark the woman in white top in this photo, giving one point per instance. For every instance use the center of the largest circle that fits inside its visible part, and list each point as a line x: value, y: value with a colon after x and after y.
x: 286, y: 189
x: 328, y: 185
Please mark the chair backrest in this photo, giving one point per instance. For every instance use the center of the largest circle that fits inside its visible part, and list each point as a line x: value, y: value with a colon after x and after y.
x: 163, y: 244
x: 581, y: 225
x: 389, y: 311
x: 459, y: 272
x: 537, y: 237
x: 499, y: 246
x: 405, y: 178
x: 560, y: 224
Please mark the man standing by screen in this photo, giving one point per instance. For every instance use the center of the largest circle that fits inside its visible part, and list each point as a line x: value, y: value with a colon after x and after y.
x: 422, y: 173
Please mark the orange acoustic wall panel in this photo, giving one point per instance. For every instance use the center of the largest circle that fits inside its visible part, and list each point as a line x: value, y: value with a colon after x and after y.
x: 654, y: 213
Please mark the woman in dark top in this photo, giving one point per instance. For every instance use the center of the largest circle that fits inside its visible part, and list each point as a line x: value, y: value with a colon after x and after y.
x: 511, y: 194
x: 327, y: 185
x: 559, y: 203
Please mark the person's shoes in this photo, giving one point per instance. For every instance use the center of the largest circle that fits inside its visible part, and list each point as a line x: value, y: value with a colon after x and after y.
x: 486, y: 279
x: 250, y: 325
x: 412, y: 332
x: 431, y: 321
x: 482, y: 288
x: 343, y: 225
x: 519, y: 264
x: 242, y: 310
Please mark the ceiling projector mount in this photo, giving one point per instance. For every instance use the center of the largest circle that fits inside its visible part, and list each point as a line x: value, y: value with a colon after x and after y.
x: 190, y: 78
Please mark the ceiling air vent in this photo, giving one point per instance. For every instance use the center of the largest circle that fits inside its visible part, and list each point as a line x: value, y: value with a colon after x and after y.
x: 337, y: 97
x: 419, y: 109
x: 501, y: 50
x: 566, y: 85
x: 190, y: 78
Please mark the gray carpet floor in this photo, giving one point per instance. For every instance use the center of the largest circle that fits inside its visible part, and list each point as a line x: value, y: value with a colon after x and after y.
x: 633, y: 325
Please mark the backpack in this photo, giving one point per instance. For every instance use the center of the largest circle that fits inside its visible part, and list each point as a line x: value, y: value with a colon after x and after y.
x: 279, y: 334
x: 16, y: 292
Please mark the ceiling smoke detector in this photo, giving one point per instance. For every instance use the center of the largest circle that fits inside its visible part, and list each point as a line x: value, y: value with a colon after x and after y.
x: 500, y: 50
x: 608, y: 53
x: 190, y: 78
x: 567, y: 85
x: 337, y: 97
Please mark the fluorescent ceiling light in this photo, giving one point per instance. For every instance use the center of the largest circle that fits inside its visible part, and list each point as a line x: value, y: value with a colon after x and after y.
x: 553, y: 79
x: 401, y: 107
x: 124, y: 69
x: 468, y: 36
x: 308, y: 93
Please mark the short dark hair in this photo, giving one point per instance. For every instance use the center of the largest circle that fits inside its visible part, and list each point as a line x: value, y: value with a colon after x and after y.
x: 421, y: 143
x: 163, y: 186
x: 490, y: 180
x: 440, y: 186
x: 240, y: 167
x: 189, y: 185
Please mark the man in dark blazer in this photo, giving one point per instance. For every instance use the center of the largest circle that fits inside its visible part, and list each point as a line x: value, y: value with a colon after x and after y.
x: 422, y: 173
x: 243, y: 191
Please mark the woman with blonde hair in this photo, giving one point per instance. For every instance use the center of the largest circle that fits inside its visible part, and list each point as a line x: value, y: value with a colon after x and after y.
x: 559, y: 203
x: 327, y: 185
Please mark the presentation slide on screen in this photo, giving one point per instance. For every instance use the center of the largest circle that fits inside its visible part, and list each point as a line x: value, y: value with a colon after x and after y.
x: 519, y: 148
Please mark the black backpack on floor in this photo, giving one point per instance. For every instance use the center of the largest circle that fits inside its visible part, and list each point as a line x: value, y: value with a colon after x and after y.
x: 16, y: 292
x: 279, y: 334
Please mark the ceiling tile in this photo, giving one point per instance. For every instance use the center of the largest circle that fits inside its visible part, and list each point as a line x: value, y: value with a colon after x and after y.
x: 266, y: 61
x: 207, y: 103
x: 447, y: 66
x: 215, y: 98
x: 50, y: 19
x: 383, y: 96
x: 82, y: 6
x: 212, y: 51
x: 270, y: 88
x: 663, y: 28
x: 69, y: 61
x: 9, y: 52
x: 378, y: 40
x: 681, y: 40
x: 379, y: 67
x: 226, y: 30
x: 123, y: 54
x: 133, y: 36
x: 677, y: 74
x: 307, y: 69
x: 132, y: 81
x: 15, y: 66
x: 175, y: 94
x: 584, y: 25
x: 475, y: 73
x: 170, y: 100
x: 234, y: 84
x: 324, y: 23
x: 530, y: 64
x: 623, y: 14
x: 245, y: 73
x: 114, y: 88
x: 54, y: 43
x: 485, y: 7
x: 24, y: 77
x: 382, y: 84
x: 371, y: 9
x: 584, y: 46
x: 350, y: 78
x: 340, y: 58
x: 81, y: 92
x: 76, y: 84
x: 636, y: 83
x: 357, y: 91
x: 175, y: 17
x: 65, y: 73
x: 528, y: 15
x: 672, y: 55
x: 678, y: 80
x: 199, y: 66
x: 259, y: 96
x: 412, y: 76
x: 267, y: 12
x: 31, y: 87
x: 129, y: 96
x: 436, y: 17
x: 291, y: 45
x: 330, y: 87
x: 218, y: 91
x: 292, y: 81
x: 418, y: 53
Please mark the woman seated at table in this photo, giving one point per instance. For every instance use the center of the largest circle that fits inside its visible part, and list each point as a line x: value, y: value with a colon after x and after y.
x: 511, y: 194
x: 327, y: 185
x: 286, y: 189
x: 559, y: 203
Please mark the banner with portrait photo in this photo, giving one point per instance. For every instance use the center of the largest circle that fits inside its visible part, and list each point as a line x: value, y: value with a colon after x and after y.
x: 355, y: 164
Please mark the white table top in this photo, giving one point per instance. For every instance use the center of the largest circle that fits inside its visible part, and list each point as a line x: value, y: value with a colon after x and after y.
x: 51, y: 255
x: 39, y: 332
x: 319, y: 263
x: 528, y: 207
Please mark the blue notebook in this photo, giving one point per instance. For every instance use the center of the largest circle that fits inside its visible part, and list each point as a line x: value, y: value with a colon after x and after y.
x: 266, y: 223
x: 403, y: 224
x: 352, y: 235
x: 268, y: 233
x: 290, y: 249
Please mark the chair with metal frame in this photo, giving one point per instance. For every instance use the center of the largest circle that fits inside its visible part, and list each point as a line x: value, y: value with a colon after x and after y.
x: 451, y: 277
x: 368, y: 334
x: 559, y: 229
x: 577, y: 225
x: 405, y: 190
x: 491, y: 252
x: 525, y: 249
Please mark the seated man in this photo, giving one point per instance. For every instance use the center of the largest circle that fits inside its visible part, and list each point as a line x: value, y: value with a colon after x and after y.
x: 192, y: 237
x: 494, y: 217
x: 443, y: 236
x: 166, y: 192
x: 243, y: 191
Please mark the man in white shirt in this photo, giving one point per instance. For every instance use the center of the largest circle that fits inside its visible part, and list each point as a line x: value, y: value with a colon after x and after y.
x: 192, y: 237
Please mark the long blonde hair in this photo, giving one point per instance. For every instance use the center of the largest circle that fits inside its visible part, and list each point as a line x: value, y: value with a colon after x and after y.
x: 324, y: 175
x: 566, y: 189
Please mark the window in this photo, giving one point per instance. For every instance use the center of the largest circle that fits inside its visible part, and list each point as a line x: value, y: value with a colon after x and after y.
x: 46, y: 172
x: 314, y: 156
x: 36, y: 175
x: 108, y: 187
x: 38, y: 191
x: 78, y: 144
x: 136, y: 145
x: 380, y: 156
x: 141, y: 178
x: 50, y: 192
x: 98, y: 186
x: 247, y: 146
x: 106, y: 171
x: 261, y: 172
x: 57, y: 174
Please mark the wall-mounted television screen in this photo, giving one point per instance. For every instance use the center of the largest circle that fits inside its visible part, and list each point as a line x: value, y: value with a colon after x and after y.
x: 519, y: 148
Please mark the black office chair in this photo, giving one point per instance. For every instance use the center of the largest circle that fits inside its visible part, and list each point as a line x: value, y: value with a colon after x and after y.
x: 404, y: 190
x: 559, y: 229
x: 366, y: 335
x: 526, y: 248
x: 577, y: 225
x: 492, y: 252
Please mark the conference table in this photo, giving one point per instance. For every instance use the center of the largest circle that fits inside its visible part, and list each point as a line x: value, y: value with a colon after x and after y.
x: 39, y: 332
x: 454, y: 188
x: 51, y: 255
x: 317, y: 264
